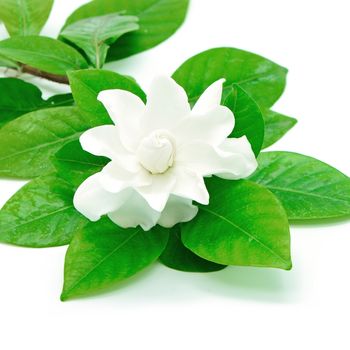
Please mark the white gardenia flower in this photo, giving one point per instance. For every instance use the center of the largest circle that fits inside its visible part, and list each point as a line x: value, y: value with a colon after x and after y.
x: 160, y: 152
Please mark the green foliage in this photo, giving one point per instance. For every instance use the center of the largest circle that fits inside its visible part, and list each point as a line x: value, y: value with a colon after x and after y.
x: 158, y: 20
x: 40, y: 214
x: 102, y: 254
x: 46, y: 54
x: 94, y: 35
x: 248, y: 118
x: 307, y: 187
x: 262, y: 79
x: 25, y: 17
x: 244, y: 224
x: 18, y: 97
x: 178, y: 257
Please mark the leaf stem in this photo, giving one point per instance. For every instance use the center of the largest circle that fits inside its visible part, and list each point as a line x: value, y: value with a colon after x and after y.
x: 62, y: 79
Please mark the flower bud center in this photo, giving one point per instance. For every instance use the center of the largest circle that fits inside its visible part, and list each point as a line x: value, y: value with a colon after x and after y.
x: 156, y: 151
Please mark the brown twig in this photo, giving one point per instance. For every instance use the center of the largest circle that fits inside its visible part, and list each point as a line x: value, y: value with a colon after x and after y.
x: 62, y: 79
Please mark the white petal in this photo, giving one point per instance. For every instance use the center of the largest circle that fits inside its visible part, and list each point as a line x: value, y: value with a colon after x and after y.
x: 103, y: 141
x: 190, y: 185
x: 135, y: 212
x: 167, y: 103
x: 126, y: 110
x: 177, y: 210
x: 210, y: 99
x: 93, y: 201
x: 234, y: 159
x: 212, y: 127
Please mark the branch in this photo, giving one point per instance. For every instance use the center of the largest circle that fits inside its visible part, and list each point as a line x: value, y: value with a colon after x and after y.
x: 62, y: 79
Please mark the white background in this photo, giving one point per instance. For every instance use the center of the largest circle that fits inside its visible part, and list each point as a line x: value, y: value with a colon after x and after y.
x: 237, y: 308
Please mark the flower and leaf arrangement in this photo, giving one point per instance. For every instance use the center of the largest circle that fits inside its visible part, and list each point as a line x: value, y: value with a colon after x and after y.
x: 127, y: 177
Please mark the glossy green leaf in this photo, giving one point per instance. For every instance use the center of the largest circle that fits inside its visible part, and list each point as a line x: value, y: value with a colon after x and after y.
x: 307, y: 187
x: 178, y: 257
x: 75, y: 165
x: 25, y: 17
x: 244, y: 224
x: 5, y: 62
x: 86, y: 84
x: 94, y: 35
x: 158, y: 20
x: 18, y: 97
x: 28, y: 143
x: 276, y: 126
x: 248, y: 117
x: 40, y: 214
x: 102, y: 254
x: 261, y: 78
x: 46, y: 54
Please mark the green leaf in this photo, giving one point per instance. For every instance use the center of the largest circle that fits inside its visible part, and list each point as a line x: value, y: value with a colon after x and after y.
x: 262, y: 79
x: 25, y: 17
x: 244, y: 224
x: 276, y: 126
x: 178, y: 257
x: 248, y: 118
x: 86, y: 84
x: 102, y: 254
x: 40, y: 214
x: 5, y: 62
x: 158, y: 20
x: 75, y: 165
x: 46, y: 54
x: 28, y: 143
x: 94, y: 35
x: 18, y: 97
x: 308, y: 188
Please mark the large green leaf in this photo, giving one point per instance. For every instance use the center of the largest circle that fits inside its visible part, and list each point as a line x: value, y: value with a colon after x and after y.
x: 307, y: 187
x: 102, y: 254
x: 75, y: 165
x: 95, y: 35
x: 178, y: 257
x: 86, y: 84
x: 46, y: 54
x: 158, y: 20
x: 18, y: 97
x: 25, y: 17
x: 28, y: 142
x: 262, y: 79
x: 40, y: 214
x: 248, y: 118
x: 244, y: 224
x: 276, y: 126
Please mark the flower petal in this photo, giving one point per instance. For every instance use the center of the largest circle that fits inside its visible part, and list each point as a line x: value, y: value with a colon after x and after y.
x: 212, y: 127
x: 177, y: 210
x: 134, y: 212
x: 103, y: 141
x: 234, y: 159
x: 167, y: 103
x: 210, y: 98
x: 126, y: 110
x: 93, y: 201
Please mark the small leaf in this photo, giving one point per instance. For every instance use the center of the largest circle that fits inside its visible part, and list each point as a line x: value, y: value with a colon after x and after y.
x: 248, y: 118
x: 244, y: 224
x: 94, y: 35
x: 18, y: 97
x: 28, y: 143
x: 158, y: 20
x: 276, y: 126
x: 178, y: 257
x: 262, y: 79
x: 102, y: 254
x: 40, y: 214
x: 86, y: 84
x: 25, y: 17
x: 308, y: 188
x: 46, y: 54
x: 75, y: 165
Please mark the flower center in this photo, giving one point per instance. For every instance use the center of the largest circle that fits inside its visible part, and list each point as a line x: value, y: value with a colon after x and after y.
x: 156, y: 151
